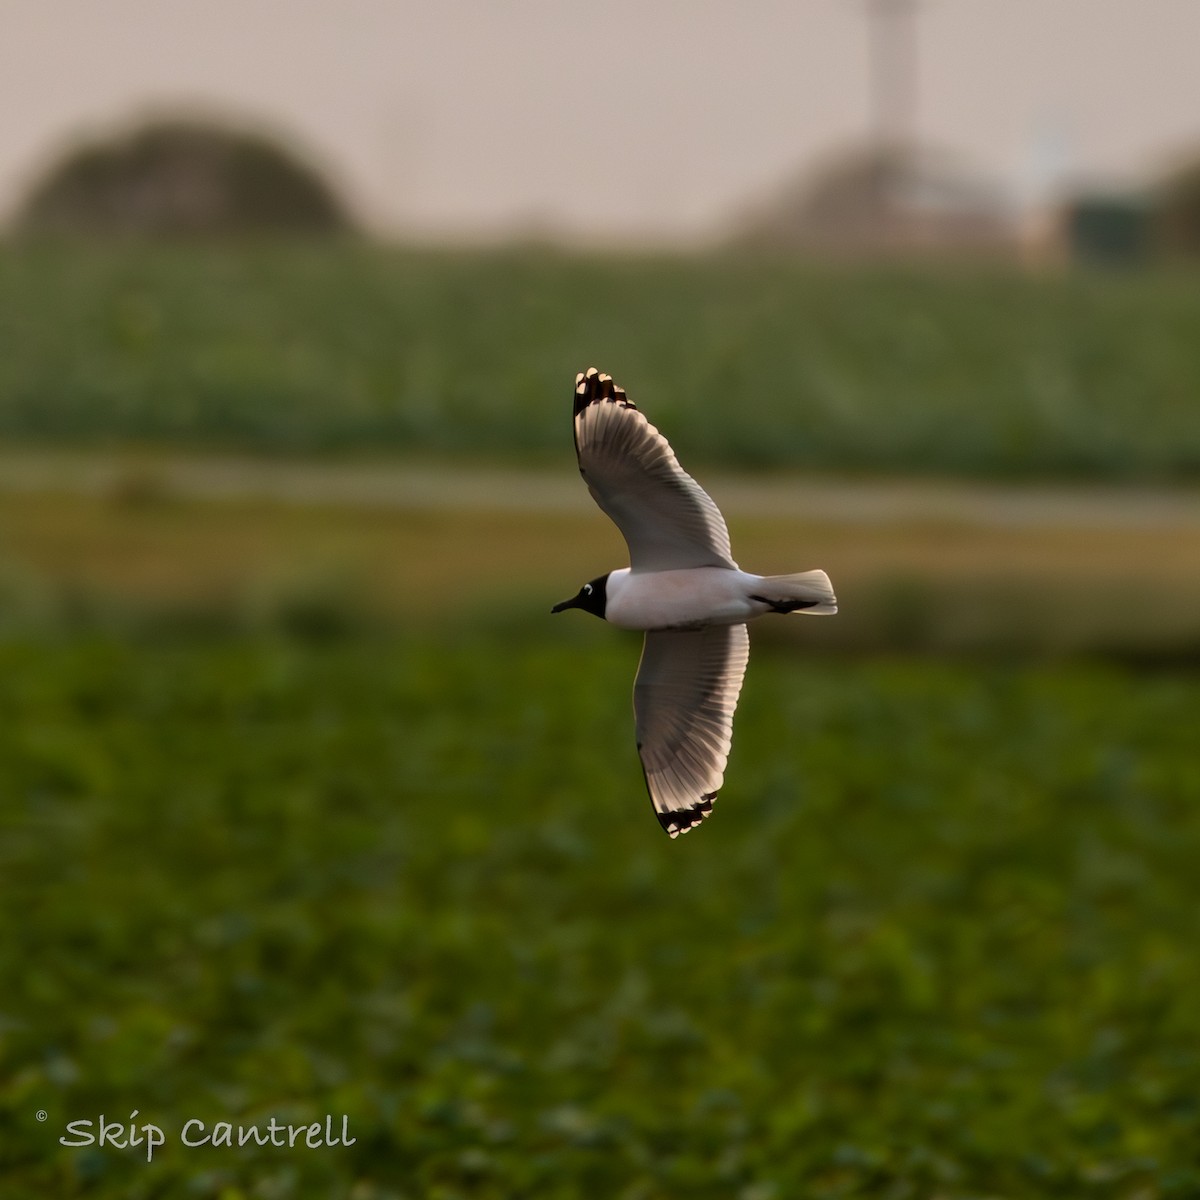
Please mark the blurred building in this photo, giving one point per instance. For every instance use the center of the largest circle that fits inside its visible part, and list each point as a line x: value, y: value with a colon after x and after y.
x: 1158, y: 222
x: 889, y: 202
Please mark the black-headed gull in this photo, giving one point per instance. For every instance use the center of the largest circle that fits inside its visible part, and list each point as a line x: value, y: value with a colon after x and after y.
x: 684, y: 590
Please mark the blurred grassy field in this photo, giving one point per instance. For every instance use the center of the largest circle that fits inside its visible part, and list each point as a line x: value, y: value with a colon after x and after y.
x: 937, y: 939
x: 308, y: 806
x: 763, y: 363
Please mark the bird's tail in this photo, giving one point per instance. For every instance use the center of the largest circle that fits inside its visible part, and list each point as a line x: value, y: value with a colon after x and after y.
x: 807, y: 592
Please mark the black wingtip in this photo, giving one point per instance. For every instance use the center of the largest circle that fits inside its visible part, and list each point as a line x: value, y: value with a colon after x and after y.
x: 685, y: 819
x: 591, y: 387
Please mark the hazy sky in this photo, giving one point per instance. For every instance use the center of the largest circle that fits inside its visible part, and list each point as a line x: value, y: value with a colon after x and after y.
x: 612, y: 118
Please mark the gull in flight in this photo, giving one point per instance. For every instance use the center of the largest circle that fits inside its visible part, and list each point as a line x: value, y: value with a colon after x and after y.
x: 684, y: 590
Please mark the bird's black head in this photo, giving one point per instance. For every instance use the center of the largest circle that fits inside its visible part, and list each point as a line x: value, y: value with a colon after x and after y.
x: 592, y: 597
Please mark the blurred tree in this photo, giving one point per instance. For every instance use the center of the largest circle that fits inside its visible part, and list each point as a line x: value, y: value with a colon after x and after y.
x: 179, y: 178
x: 1177, y: 211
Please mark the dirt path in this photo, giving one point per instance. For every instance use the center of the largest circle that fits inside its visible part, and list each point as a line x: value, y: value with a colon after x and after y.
x: 404, y: 484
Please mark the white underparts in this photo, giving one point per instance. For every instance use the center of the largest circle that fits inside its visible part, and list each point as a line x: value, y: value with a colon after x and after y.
x: 698, y: 596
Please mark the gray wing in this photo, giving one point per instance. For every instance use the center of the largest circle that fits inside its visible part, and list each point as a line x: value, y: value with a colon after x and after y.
x: 683, y: 701
x: 668, y: 520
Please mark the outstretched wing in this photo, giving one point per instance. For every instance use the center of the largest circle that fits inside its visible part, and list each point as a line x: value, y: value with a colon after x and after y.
x: 683, y: 702
x: 668, y: 520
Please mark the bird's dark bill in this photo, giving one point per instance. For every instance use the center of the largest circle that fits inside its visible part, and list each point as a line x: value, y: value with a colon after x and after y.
x: 574, y: 602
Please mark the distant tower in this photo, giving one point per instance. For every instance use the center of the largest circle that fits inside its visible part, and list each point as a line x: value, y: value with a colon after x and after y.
x: 893, y: 46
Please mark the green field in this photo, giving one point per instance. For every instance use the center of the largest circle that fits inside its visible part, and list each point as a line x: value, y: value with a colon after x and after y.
x: 354, y: 348
x: 308, y: 807
x: 938, y: 938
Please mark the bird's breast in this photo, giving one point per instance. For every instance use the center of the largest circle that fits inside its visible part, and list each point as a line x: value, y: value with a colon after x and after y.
x: 683, y: 599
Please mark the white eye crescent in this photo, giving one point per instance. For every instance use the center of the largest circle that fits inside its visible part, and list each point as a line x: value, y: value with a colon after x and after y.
x: 587, y: 587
